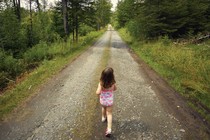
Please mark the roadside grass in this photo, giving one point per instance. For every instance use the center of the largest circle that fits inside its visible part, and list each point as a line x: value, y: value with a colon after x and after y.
x: 63, y: 54
x: 185, y: 66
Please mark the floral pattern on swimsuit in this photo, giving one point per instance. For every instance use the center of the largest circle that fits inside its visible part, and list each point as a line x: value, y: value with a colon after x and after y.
x: 106, y: 97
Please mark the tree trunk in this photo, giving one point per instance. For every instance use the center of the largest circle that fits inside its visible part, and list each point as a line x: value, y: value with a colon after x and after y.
x: 72, y: 25
x: 38, y: 5
x: 18, y: 10
x: 76, y: 21
x: 31, y: 28
x: 73, y: 35
x: 77, y: 28
x: 65, y: 19
x: 16, y: 5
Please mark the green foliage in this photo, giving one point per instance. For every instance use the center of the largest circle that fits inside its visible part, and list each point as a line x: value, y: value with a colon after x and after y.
x: 126, y: 35
x: 150, y: 19
x: 36, y: 54
x: 42, y: 51
x: 3, y: 79
x: 43, y: 27
x: 83, y: 16
x: 134, y: 28
x: 57, y: 19
x: 11, y: 37
x: 10, y: 68
x: 165, y: 40
x: 103, y: 13
x: 113, y: 21
x: 43, y: 30
x: 125, y: 12
x: 10, y: 65
x: 85, y: 29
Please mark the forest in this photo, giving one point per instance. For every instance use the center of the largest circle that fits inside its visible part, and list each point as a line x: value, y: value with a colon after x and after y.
x: 153, y: 18
x: 30, y: 30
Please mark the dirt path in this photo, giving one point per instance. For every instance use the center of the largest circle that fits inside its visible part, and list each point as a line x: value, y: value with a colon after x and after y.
x: 67, y: 107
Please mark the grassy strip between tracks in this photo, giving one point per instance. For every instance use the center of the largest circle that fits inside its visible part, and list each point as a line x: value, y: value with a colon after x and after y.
x: 185, y: 66
x: 31, y: 81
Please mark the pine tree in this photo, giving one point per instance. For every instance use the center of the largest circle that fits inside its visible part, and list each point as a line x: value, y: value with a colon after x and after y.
x: 153, y: 18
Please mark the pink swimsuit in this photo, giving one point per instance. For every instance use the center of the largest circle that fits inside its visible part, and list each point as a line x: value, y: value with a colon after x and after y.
x: 106, y: 97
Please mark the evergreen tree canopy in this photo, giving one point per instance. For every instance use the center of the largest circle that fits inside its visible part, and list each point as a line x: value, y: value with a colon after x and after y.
x: 152, y: 18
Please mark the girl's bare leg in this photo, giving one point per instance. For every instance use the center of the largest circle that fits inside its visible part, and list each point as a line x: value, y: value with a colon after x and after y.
x: 109, y: 117
x: 103, y: 113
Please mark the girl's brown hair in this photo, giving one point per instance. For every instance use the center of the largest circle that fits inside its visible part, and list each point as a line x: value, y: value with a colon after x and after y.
x: 107, y: 77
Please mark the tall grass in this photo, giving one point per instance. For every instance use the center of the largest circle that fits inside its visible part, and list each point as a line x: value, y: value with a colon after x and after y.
x: 185, y: 66
x: 49, y: 60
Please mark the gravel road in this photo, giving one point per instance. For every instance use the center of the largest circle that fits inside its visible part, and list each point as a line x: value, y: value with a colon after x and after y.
x: 66, y: 107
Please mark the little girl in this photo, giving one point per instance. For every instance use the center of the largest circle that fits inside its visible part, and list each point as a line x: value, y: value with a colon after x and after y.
x: 105, y: 89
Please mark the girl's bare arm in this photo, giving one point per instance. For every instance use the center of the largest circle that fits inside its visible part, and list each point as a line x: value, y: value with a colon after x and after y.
x: 115, y: 88
x: 98, y: 91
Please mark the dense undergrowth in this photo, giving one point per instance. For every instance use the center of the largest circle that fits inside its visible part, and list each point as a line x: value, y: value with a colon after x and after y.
x: 38, y: 64
x: 185, y: 66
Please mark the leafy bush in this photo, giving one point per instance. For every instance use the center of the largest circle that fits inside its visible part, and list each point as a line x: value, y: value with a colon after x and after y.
x: 85, y: 29
x: 10, y: 68
x: 36, y: 54
x: 3, y: 80
x: 126, y: 35
x: 134, y: 29
x: 11, y: 37
x: 10, y: 65
x: 55, y: 50
x: 165, y: 40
